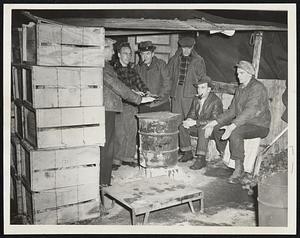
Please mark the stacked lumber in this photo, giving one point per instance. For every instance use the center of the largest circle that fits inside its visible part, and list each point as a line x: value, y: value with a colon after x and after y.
x: 58, y: 110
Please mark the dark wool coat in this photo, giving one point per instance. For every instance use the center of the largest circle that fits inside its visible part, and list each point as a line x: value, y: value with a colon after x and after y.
x: 196, y: 70
x: 249, y: 105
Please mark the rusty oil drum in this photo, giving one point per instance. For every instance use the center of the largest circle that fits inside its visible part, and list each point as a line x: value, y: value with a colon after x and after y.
x: 158, y: 138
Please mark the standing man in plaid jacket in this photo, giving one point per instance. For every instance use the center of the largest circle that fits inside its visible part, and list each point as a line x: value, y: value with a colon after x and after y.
x: 126, y: 123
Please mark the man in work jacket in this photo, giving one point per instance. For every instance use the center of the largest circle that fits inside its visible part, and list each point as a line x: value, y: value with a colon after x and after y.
x: 113, y: 93
x: 154, y: 73
x: 126, y: 123
x: 247, y: 117
x: 185, y: 68
x: 206, y: 107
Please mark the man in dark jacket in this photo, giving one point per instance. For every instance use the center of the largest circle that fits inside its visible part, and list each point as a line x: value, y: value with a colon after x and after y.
x: 153, y: 71
x: 185, y: 68
x: 206, y: 107
x: 247, y: 117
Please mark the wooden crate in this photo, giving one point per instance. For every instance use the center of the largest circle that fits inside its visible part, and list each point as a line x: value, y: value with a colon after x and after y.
x: 16, y: 76
x: 15, y: 155
x: 16, y: 195
x: 16, y: 45
x: 61, y: 205
x: 49, y: 169
x: 64, y: 127
x: 48, y: 87
x: 18, y: 118
x: 61, y: 45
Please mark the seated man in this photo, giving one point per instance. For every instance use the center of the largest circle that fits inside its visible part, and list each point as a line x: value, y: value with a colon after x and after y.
x: 247, y: 117
x: 205, y: 107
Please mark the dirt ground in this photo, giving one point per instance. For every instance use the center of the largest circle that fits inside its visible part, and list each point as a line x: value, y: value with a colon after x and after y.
x: 225, y: 204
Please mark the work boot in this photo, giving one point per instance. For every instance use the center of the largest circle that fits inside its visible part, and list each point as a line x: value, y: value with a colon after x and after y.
x: 199, y: 163
x: 188, y: 155
x: 238, y: 172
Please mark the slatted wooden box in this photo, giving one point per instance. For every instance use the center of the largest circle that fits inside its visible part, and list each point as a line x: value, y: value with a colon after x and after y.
x: 15, y: 155
x: 18, y: 118
x: 16, y: 45
x: 61, y: 205
x: 16, y: 195
x: 48, y: 87
x: 51, y: 169
x: 61, y: 45
x: 64, y: 127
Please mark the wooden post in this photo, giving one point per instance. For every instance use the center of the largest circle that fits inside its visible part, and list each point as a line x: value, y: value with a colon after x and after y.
x: 257, y: 51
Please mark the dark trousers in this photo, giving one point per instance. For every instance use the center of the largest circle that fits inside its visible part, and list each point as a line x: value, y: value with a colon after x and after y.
x: 107, y: 152
x: 185, y: 140
x: 162, y: 107
x: 236, y: 139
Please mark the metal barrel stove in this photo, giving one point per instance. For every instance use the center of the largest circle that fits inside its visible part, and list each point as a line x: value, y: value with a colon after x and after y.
x: 158, y: 139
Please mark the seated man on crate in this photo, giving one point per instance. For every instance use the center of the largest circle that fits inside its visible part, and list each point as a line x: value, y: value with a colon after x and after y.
x: 114, y: 92
x: 247, y: 117
x: 205, y: 107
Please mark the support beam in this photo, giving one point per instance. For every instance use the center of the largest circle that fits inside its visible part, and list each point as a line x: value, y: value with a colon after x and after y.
x: 257, y: 51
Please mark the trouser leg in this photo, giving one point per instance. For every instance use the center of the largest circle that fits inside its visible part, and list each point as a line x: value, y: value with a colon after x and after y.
x: 184, y: 138
x: 119, y: 138
x: 202, y: 142
x: 236, y: 139
x: 181, y: 104
x: 216, y: 135
x: 107, y: 152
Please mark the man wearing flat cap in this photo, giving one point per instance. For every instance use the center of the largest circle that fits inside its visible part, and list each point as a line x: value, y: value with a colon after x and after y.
x: 153, y: 71
x: 186, y: 67
x: 205, y: 107
x: 247, y: 117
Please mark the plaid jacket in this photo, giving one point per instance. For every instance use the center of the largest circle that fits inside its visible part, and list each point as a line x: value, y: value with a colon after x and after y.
x: 130, y: 77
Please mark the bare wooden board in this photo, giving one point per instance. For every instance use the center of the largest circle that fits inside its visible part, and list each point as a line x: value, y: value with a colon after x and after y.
x: 49, y: 169
x: 16, y: 189
x: 18, y: 118
x: 153, y: 193
x: 64, y: 127
x: 48, y: 87
x: 16, y: 45
x: 61, y: 45
x: 16, y: 75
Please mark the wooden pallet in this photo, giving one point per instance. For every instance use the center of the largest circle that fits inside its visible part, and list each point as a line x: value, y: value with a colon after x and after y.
x: 48, y: 87
x: 147, y: 195
x: 63, y: 127
x: 61, y: 45
x: 49, y: 169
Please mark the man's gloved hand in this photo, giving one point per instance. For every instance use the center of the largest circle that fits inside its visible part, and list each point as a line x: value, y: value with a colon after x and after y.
x: 228, y: 131
x: 189, y: 123
x: 147, y: 99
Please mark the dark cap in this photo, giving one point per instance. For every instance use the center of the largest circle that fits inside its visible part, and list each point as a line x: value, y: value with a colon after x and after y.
x: 187, y: 42
x: 146, y: 46
x: 204, y: 79
x: 123, y: 44
x: 246, y: 66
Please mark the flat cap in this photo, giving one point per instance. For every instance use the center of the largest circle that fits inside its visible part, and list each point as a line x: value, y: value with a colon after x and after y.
x: 109, y: 41
x: 246, y: 66
x: 146, y: 46
x: 204, y: 79
x: 187, y: 42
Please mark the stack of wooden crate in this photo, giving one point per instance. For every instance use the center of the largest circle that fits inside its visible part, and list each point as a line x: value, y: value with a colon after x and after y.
x: 59, y: 121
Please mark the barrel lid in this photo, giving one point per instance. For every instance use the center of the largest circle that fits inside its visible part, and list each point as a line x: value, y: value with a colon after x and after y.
x: 157, y: 115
